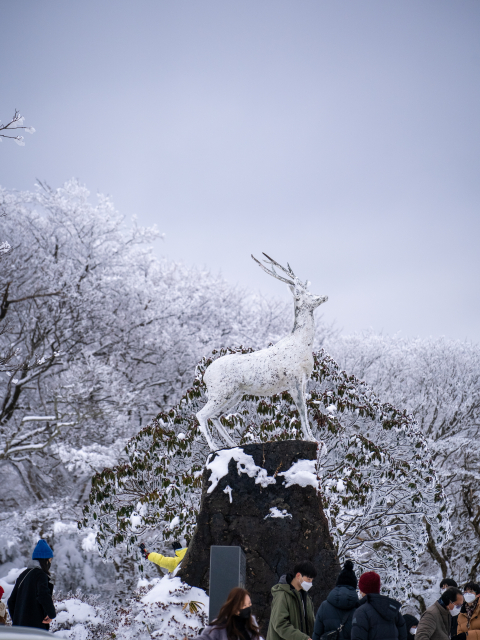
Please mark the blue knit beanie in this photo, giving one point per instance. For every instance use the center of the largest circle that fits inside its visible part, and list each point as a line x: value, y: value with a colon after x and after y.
x: 42, y: 550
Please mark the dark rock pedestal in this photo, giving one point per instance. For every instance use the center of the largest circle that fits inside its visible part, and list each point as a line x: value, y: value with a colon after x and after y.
x: 272, y: 545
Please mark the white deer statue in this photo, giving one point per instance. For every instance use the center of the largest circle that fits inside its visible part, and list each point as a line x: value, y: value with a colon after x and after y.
x: 286, y: 366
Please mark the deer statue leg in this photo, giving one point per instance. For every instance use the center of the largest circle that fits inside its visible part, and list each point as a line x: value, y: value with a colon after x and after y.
x: 212, y: 410
x: 298, y: 395
x: 202, y: 421
x: 223, y: 432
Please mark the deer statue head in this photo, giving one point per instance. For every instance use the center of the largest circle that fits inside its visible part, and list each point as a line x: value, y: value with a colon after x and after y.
x: 304, y: 300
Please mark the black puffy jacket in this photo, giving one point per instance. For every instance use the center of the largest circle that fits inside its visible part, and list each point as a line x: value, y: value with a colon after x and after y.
x: 332, y: 611
x: 410, y: 621
x: 31, y: 599
x: 378, y: 618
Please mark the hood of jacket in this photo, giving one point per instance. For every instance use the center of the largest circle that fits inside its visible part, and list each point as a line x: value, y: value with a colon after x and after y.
x: 284, y: 585
x: 343, y: 597
x: 383, y: 605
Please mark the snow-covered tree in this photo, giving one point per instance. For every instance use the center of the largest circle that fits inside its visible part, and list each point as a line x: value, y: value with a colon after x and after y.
x: 438, y: 381
x: 104, y: 333
x: 380, y: 490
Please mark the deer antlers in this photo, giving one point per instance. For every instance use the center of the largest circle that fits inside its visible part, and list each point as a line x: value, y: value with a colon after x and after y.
x: 294, y: 280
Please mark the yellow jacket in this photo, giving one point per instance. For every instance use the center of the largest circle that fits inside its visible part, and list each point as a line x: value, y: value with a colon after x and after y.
x: 167, y: 562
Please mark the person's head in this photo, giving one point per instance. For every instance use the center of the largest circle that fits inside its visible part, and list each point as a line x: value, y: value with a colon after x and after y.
x: 471, y: 592
x: 347, y: 577
x: 369, y: 583
x: 452, y: 598
x: 446, y: 583
x: 44, y: 554
x: 236, y: 610
x: 303, y: 575
x: 1, y: 592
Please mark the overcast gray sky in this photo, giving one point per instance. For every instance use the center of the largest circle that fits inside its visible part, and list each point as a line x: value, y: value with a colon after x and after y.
x: 342, y: 136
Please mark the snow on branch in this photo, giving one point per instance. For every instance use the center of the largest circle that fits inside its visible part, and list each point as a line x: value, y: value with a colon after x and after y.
x: 15, y: 123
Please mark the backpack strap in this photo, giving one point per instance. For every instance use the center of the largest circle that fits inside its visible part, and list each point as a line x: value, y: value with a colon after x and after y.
x: 345, y: 617
x: 28, y: 573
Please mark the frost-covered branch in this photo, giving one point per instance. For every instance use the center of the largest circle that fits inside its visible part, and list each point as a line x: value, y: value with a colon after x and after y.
x: 16, y: 123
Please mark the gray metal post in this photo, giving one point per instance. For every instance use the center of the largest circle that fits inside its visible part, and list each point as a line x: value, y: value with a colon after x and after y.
x: 228, y: 567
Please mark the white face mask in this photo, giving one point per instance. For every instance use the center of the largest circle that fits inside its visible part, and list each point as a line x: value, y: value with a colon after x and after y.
x: 455, y: 611
x: 306, y: 586
x: 413, y: 631
x: 469, y: 597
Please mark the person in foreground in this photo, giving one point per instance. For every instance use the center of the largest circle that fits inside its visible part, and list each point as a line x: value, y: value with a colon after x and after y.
x: 30, y: 603
x: 377, y: 617
x: 292, y: 608
x: 338, y: 609
x: 436, y: 621
x: 469, y: 617
x: 234, y: 621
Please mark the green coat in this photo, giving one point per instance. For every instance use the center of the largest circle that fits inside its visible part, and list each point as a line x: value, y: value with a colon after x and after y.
x: 287, y: 620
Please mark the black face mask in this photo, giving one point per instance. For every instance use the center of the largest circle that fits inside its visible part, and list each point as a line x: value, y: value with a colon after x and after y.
x: 245, y: 613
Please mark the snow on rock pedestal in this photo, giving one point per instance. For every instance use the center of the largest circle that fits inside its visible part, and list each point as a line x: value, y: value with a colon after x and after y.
x: 263, y: 498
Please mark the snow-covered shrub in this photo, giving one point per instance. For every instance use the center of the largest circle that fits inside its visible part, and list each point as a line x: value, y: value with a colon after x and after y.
x: 76, y: 619
x: 162, y: 608
x: 380, y: 490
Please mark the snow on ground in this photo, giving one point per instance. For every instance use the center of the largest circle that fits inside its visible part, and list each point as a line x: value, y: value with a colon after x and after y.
x: 163, y: 608
x: 74, y: 610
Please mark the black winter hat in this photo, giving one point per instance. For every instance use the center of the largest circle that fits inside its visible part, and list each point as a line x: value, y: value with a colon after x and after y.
x: 347, y: 576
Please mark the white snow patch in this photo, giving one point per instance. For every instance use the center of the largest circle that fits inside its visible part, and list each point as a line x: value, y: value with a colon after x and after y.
x: 170, y: 590
x: 77, y: 632
x: 64, y: 527
x: 276, y: 513
x: 89, y: 543
x: 245, y: 464
x: 135, y: 520
x: 74, y: 610
x: 174, y: 523
x: 228, y: 490
x: 302, y: 473
x: 90, y: 458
